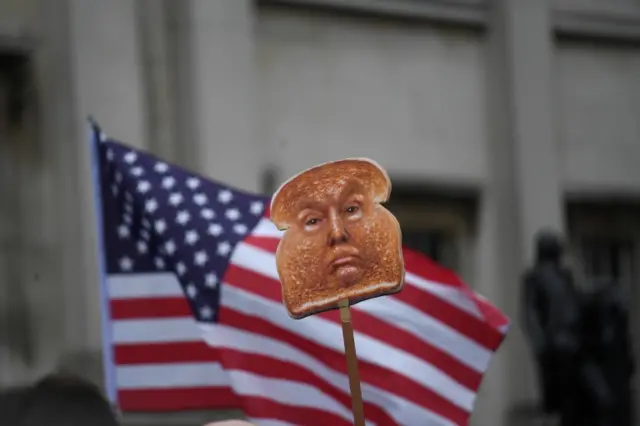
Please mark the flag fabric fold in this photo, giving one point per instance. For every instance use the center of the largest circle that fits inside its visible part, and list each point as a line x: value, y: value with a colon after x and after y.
x: 197, y: 322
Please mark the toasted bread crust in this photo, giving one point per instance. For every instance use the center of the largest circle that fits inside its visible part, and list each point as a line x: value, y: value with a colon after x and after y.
x: 305, y: 291
x: 363, y: 169
x: 310, y: 284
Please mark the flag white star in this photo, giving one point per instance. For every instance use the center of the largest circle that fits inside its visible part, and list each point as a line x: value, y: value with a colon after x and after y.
x: 128, y: 207
x: 224, y: 248
x: 181, y: 268
x: 118, y: 177
x: 144, y: 234
x: 256, y: 208
x: 126, y: 264
x: 137, y: 171
x: 200, y: 258
x: 170, y: 247
x: 130, y: 157
x: 151, y: 205
x: 142, y: 247
x: 200, y: 199
x: 161, y: 167
x: 193, y: 183
x: 109, y: 154
x: 183, y: 217
x: 114, y: 190
x: 160, y: 226
x: 175, y: 199
x: 211, y: 280
x: 206, y: 312
x: 232, y: 214
x: 225, y: 196
x: 126, y: 218
x: 168, y: 182
x: 146, y: 224
x: 159, y: 262
x: 143, y: 186
x: 207, y: 214
x: 215, y: 229
x: 240, y: 228
x: 123, y: 231
x: 191, y: 237
x: 192, y: 291
x: 128, y: 197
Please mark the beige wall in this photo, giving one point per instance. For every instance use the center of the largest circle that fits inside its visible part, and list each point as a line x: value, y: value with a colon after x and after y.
x: 599, y: 97
x: 217, y: 84
x: 411, y: 96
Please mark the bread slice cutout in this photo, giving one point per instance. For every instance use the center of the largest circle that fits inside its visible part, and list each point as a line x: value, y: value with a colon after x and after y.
x: 340, y: 242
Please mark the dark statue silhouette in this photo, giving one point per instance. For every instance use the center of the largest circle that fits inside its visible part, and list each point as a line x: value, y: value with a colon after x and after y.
x: 580, y: 342
x: 551, y: 317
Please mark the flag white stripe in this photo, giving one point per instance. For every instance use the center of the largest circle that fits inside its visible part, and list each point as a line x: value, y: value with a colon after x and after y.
x: 397, y: 407
x: 444, y: 337
x: 242, y: 382
x: 143, y: 286
x: 169, y: 330
x: 155, y: 376
x: 212, y: 374
x: 269, y: 422
x: 267, y: 229
x: 439, y: 334
x: 286, y: 392
x: 429, y: 330
x: 314, y: 328
x: 329, y: 334
x: 452, y: 295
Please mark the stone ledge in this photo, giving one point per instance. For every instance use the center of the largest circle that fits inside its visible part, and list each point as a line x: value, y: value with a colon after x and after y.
x: 601, y: 24
x: 470, y: 13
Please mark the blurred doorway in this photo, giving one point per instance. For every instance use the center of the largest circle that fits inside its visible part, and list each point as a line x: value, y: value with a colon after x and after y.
x: 15, y: 134
x: 436, y: 225
x: 605, y: 241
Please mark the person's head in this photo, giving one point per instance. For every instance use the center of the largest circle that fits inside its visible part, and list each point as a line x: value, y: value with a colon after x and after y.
x: 65, y: 400
x: 340, y: 242
x: 12, y: 405
x: 548, y: 246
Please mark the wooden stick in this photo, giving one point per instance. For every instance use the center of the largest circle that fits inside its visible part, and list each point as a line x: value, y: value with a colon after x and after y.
x: 352, y: 363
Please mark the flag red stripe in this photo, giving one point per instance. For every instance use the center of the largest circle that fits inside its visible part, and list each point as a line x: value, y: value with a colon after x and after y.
x: 178, y: 307
x: 177, y: 399
x: 368, y: 324
x: 264, y: 408
x: 157, y: 307
x: 370, y: 373
x: 467, y: 324
x: 233, y: 359
x: 373, y: 374
x: 270, y: 367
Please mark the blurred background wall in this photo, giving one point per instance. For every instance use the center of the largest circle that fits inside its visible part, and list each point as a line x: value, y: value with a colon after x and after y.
x: 493, y: 117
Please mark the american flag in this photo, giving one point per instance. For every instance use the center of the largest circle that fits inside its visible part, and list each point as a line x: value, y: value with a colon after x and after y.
x: 196, y: 319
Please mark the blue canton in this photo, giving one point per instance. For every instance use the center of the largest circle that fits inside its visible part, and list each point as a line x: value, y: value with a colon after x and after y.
x: 158, y: 217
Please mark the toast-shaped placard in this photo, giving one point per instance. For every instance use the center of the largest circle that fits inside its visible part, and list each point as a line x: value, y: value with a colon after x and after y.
x: 339, y: 242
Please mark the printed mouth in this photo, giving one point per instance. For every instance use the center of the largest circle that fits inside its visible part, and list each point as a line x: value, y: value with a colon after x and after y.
x: 344, y: 261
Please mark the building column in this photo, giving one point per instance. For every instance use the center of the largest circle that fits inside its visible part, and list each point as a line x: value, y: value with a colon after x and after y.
x: 104, y: 80
x: 524, y: 192
x: 222, y: 94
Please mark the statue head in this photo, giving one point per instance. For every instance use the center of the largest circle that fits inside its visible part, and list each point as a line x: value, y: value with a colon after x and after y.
x: 549, y: 246
x: 339, y: 241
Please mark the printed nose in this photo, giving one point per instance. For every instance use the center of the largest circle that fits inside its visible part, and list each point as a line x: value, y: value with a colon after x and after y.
x: 337, y: 233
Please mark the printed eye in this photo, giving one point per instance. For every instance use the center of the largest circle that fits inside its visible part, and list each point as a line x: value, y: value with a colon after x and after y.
x: 352, y: 209
x: 312, y: 222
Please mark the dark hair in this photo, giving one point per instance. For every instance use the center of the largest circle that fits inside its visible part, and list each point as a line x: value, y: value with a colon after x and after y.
x: 12, y: 403
x: 65, y: 400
